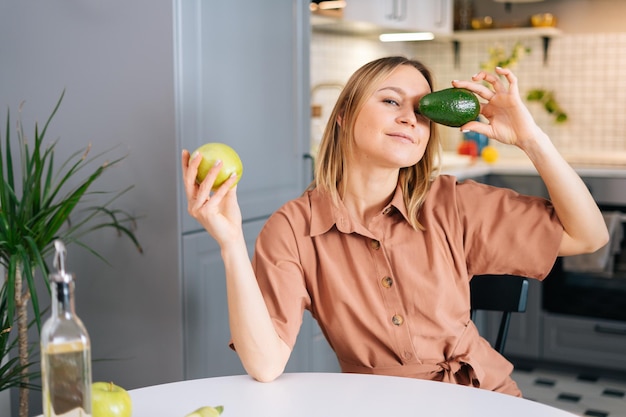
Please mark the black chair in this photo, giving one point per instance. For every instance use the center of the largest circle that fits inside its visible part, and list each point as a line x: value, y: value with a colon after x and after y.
x: 505, y: 293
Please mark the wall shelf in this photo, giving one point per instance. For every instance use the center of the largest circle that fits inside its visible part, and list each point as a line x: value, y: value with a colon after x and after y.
x: 545, y: 33
x: 487, y: 34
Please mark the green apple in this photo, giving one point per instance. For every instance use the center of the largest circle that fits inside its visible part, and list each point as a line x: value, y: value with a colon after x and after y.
x: 231, y: 163
x: 110, y: 400
x: 207, y: 412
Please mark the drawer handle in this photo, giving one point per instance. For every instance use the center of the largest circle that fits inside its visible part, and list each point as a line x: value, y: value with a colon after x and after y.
x: 610, y: 330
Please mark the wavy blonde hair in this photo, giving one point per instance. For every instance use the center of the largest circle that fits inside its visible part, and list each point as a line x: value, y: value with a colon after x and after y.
x: 337, y: 141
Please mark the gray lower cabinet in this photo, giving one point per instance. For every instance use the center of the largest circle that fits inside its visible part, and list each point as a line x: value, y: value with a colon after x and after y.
x: 589, y: 342
x: 206, y: 332
x: 523, y: 184
x: 319, y: 357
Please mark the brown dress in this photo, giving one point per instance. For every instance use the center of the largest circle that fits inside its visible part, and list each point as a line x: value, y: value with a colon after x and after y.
x: 395, y: 301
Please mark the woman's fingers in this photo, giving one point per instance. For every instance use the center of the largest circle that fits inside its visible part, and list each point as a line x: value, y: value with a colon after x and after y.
x: 475, y: 87
x: 510, y: 77
x: 225, y: 187
x: 496, y: 82
x: 190, y: 170
x: 205, y: 187
x: 197, y: 194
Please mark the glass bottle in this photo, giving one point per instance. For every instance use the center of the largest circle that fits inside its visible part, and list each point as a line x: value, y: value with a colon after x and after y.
x: 65, y: 350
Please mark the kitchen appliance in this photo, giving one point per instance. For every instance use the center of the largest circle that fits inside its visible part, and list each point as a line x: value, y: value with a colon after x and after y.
x: 595, y: 287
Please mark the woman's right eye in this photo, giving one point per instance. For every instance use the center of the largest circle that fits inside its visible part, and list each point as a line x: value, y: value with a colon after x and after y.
x: 391, y: 101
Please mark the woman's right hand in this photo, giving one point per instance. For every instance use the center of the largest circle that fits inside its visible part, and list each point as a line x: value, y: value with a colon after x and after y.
x: 217, y: 212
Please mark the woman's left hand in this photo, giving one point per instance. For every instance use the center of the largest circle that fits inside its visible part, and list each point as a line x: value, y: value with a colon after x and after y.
x: 510, y: 121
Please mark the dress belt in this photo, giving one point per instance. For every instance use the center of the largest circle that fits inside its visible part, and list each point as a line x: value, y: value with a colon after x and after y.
x: 458, y: 370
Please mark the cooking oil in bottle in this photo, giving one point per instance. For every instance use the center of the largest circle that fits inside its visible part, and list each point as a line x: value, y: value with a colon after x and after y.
x: 65, y: 350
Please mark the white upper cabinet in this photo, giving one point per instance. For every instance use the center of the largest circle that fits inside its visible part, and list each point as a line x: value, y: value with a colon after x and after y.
x: 435, y: 16
x: 402, y: 15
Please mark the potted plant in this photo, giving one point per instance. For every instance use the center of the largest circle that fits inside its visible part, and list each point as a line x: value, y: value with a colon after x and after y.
x: 499, y: 58
x: 37, y: 199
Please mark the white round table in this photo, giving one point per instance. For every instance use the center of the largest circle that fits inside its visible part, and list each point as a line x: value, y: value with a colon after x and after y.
x: 329, y: 395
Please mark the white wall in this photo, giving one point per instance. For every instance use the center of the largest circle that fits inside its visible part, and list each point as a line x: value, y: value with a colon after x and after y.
x: 114, y: 58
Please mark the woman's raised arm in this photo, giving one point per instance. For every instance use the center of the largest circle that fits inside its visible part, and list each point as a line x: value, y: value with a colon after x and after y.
x: 510, y: 122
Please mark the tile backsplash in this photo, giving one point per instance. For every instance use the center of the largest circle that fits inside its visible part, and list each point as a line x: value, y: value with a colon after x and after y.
x: 582, y: 71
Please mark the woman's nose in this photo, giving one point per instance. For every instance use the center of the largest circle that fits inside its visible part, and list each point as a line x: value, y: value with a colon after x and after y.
x: 408, y: 117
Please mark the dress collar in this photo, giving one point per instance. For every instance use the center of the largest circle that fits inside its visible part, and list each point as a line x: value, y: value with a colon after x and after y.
x: 325, y: 214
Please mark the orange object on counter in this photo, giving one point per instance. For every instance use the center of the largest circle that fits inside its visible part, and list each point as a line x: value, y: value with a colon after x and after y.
x: 468, y: 147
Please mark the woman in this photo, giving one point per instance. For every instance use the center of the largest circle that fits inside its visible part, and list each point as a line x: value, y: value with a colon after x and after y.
x: 381, y: 250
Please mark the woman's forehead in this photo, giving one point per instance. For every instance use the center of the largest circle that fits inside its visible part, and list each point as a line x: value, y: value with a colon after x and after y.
x: 404, y: 79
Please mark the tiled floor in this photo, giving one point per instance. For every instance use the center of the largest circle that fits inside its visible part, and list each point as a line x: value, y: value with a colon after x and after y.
x: 583, y: 394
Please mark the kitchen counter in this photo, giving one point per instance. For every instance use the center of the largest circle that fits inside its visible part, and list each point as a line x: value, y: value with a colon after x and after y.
x: 602, y: 165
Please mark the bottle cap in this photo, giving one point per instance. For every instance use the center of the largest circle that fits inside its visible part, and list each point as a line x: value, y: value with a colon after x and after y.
x: 60, y: 276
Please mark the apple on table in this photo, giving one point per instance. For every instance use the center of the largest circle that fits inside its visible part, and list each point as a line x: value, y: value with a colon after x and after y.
x: 110, y: 400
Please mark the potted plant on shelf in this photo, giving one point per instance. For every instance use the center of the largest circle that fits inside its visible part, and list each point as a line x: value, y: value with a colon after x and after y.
x: 36, y: 202
x: 499, y: 58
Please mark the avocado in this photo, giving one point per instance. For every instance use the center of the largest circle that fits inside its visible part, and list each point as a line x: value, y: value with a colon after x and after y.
x: 451, y: 106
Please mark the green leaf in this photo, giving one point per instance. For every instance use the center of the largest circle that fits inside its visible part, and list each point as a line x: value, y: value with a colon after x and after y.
x: 41, y: 201
x: 549, y: 103
x: 535, y: 95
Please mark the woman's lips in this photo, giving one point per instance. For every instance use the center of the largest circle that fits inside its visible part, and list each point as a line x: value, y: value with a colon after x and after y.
x: 402, y: 136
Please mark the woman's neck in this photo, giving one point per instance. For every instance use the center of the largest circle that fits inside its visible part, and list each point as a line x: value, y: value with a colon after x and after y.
x: 365, y: 194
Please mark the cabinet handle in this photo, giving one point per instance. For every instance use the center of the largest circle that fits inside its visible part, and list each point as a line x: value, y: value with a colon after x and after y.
x: 402, y: 10
x: 440, y: 13
x: 598, y: 328
x: 392, y: 15
x: 398, y: 10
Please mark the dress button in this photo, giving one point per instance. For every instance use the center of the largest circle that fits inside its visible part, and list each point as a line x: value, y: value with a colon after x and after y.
x: 375, y: 244
x: 397, y: 320
x: 408, y: 355
x: 387, y: 282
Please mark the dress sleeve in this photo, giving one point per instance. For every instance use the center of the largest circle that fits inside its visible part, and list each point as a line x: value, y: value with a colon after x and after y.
x: 276, y: 262
x: 506, y: 232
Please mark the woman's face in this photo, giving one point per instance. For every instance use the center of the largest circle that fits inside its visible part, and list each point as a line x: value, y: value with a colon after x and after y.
x: 388, y: 131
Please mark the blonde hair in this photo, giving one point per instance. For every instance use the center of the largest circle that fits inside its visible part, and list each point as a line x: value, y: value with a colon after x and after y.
x: 337, y: 140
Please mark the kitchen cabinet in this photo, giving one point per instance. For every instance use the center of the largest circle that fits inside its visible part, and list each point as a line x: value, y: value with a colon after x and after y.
x: 206, y: 330
x: 363, y: 16
x: 524, y: 184
x: 435, y: 16
x: 585, y: 341
x: 246, y: 85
